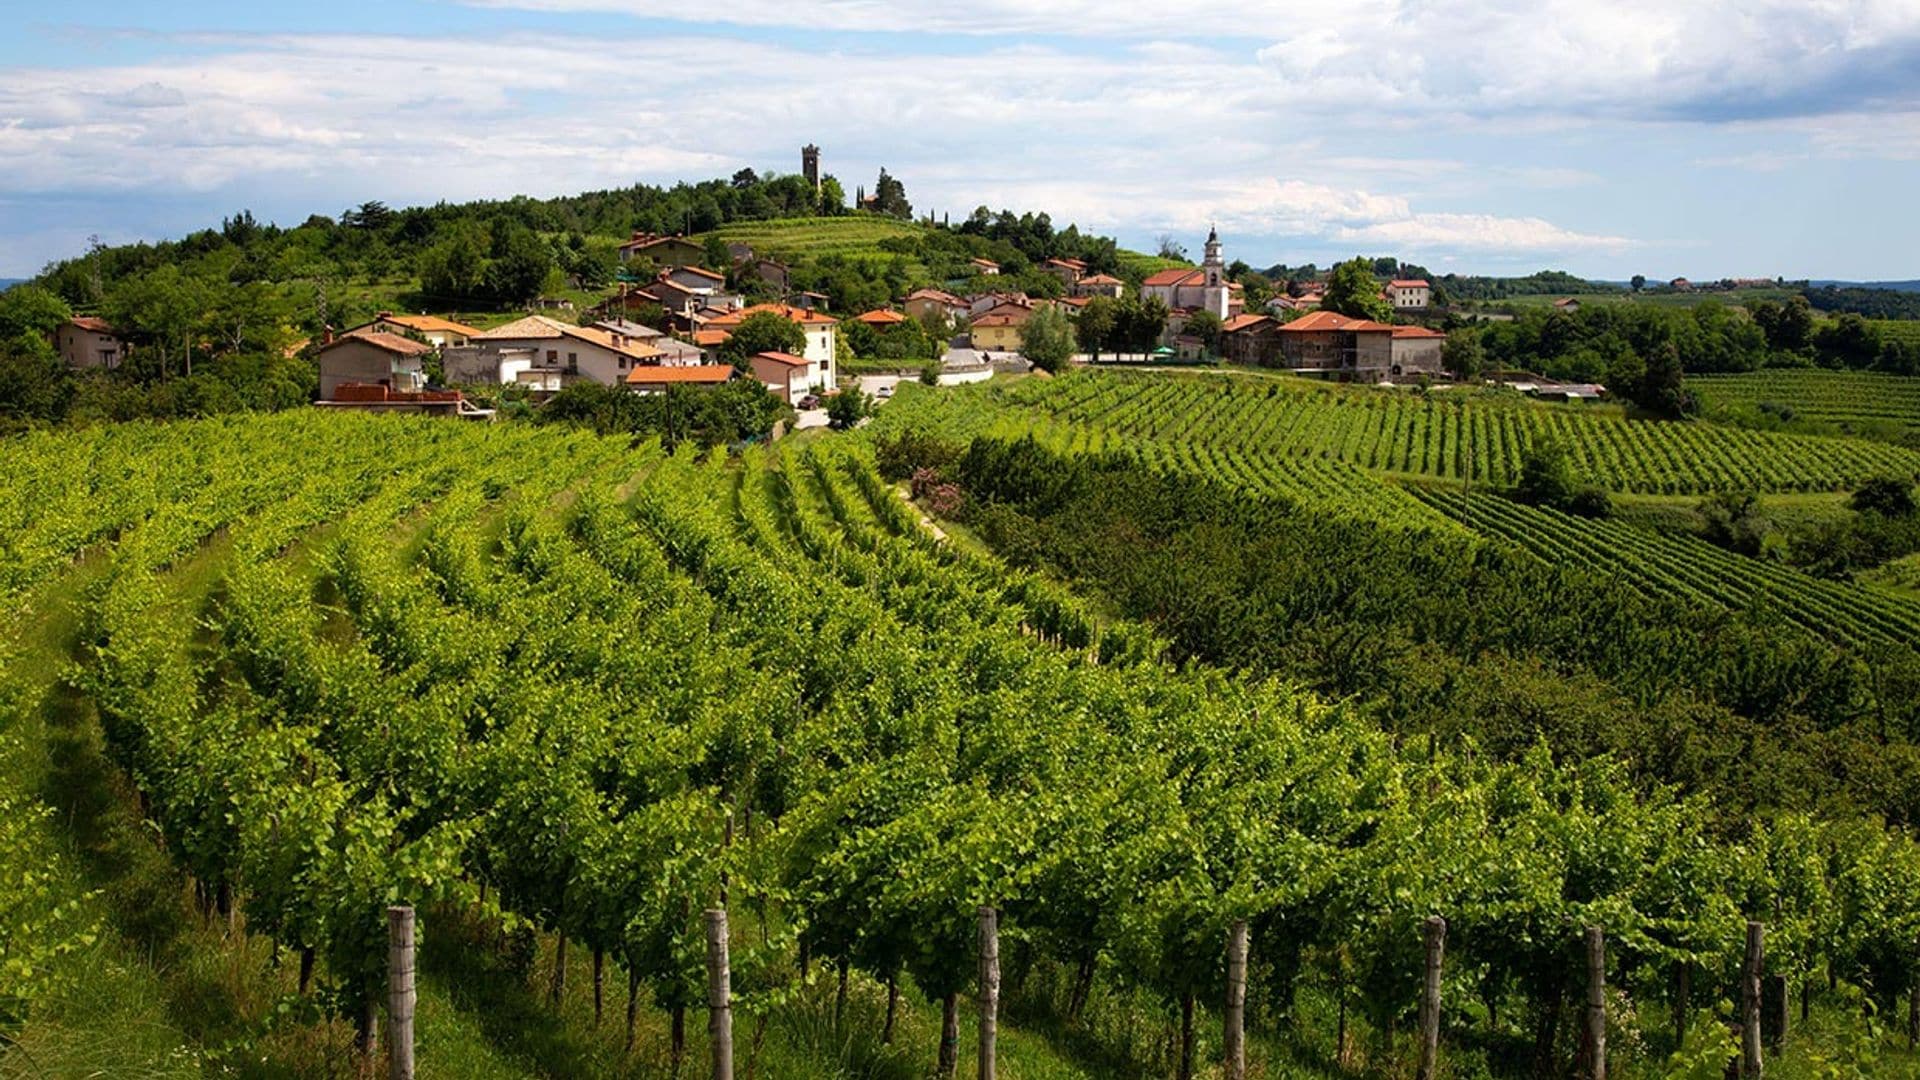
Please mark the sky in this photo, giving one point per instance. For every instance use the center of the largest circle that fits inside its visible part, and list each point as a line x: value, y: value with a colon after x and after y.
x: 1704, y: 138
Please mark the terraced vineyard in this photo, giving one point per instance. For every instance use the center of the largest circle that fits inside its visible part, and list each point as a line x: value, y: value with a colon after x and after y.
x: 1665, y: 566
x: 1850, y: 399
x: 857, y: 235
x: 1481, y: 438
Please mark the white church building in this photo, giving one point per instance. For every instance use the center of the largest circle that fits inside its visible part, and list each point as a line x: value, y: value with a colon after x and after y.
x: 1205, y: 289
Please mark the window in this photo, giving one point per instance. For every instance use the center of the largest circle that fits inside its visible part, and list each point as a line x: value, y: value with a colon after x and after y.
x: 553, y: 355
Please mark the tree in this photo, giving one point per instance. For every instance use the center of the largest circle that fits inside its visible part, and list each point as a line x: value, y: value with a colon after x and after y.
x: 745, y: 178
x: 29, y: 311
x: 763, y: 331
x: 1639, y: 282
x: 1170, y: 248
x: 1046, y: 338
x: 847, y: 408
x: 1850, y: 341
x: 1888, y: 496
x: 1788, y: 326
x: 1138, y: 324
x: 1732, y: 519
x: 1206, y: 326
x: 833, y: 197
x: 519, y: 265
x: 1096, y: 325
x: 1462, y: 355
x: 1546, y: 475
x: 1353, y: 291
x: 715, y: 254
x: 453, y: 270
x: 890, y: 197
x: 369, y: 216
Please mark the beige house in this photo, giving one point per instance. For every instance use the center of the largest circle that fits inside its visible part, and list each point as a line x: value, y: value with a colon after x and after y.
x: 985, y: 267
x: 86, y: 342
x: 437, y: 332
x: 784, y: 373
x: 662, y: 250
x: 1100, y: 285
x: 999, y: 330
x: 1068, y: 271
x: 935, y: 303
x: 372, y: 358
x: 568, y: 351
x: 1409, y: 294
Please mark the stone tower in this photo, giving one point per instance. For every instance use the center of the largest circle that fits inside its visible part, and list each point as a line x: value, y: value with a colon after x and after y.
x: 1214, y: 292
x: 810, y: 165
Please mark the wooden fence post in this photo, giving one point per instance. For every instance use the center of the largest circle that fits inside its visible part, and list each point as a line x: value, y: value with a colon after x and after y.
x: 1234, y: 1042
x: 719, y: 995
x: 1436, y: 938
x: 1750, y: 1062
x: 989, y: 989
x: 1596, y: 1033
x: 400, y: 993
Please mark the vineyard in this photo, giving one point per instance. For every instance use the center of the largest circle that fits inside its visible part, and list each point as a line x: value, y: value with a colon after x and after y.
x: 1850, y: 400
x: 1480, y: 438
x: 1667, y: 565
x: 564, y: 687
x: 811, y: 238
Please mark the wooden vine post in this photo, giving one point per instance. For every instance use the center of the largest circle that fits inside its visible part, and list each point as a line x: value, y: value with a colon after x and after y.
x: 400, y: 993
x: 1234, y: 1042
x: 719, y: 995
x: 1436, y: 940
x: 1750, y: 1063
x: 989, y: 989
x: 1595, y: 1042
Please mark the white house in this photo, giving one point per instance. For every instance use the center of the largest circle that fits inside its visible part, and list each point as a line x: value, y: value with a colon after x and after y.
x: 821, y: 337
x: 571, y: 352
x: 435, y: 331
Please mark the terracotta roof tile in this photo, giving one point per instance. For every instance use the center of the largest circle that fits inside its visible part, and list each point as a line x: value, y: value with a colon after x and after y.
x: 694, y: 373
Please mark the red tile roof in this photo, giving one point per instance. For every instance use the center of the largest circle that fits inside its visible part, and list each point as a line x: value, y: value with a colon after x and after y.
x: 1408, y: 283
x: 880, y: 317
x: 693, y: 373
x: 88, y: 322
x: 787, y: 311
x: 379, y: 339
x: 425, y: 324
x: 1101, y: 279
x: 1325, y: 321
x: 783, y: 358
x: 1416, y: 332
x: 1174, y: 277
x: 1242, y: 322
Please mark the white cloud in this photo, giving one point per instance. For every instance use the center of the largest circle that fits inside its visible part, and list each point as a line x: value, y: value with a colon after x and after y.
x: 1478, y: 233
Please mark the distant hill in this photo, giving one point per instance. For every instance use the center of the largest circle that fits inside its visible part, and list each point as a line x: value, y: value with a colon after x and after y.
x: 9, y: 282
x: 1894, y: 286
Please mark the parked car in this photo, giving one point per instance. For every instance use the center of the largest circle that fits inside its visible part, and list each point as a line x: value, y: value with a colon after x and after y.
x: 811, y: 401
x: 885, y: 391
